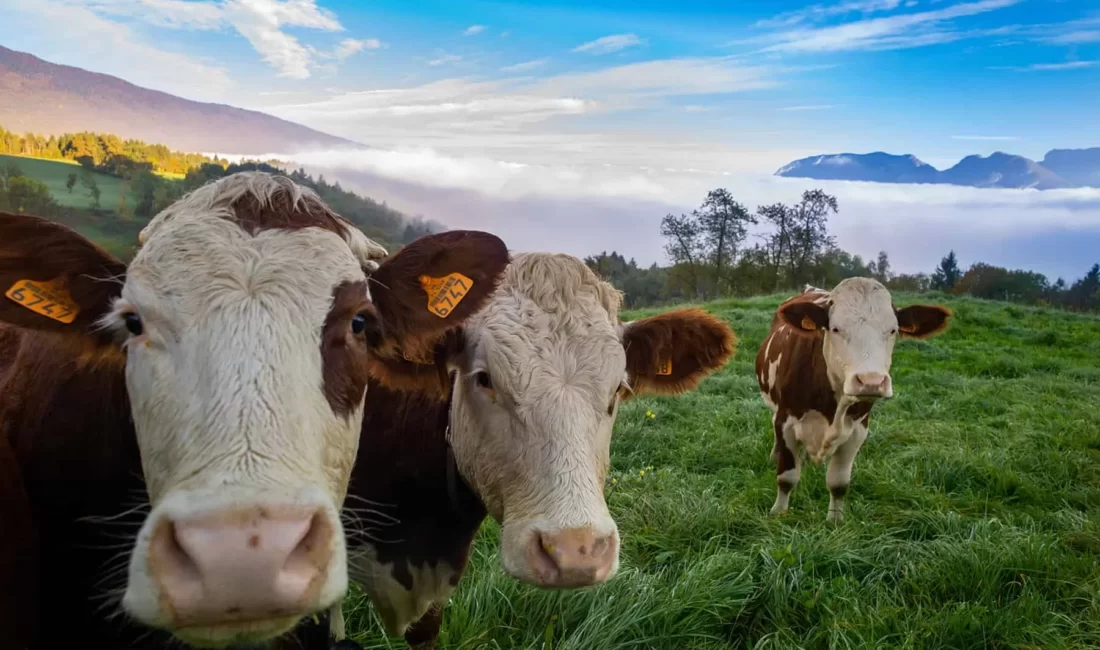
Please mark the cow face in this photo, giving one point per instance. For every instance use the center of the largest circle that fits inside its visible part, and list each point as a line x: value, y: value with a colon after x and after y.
x: 860, y: 326
x: 243, y: 324
x: 539, y: 375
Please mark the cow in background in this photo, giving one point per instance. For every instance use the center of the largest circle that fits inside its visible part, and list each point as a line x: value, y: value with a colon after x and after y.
x: 822, y: 367
x: 207, y: 397
x: 511, y: 416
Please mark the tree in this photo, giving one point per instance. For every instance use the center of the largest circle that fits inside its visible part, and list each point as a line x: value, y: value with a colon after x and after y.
x: 947, y: 274
x: 9, y: 171
x: 723, y: 223
x: 71, y: 183
x: 88, y: 181
x: 29, y: 196
x: 685, y: 249
x: 880, y: 269
x: 1085, y: 293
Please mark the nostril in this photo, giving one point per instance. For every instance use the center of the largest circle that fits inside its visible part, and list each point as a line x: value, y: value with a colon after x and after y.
x: 311, y: 545
x: 172, y: 554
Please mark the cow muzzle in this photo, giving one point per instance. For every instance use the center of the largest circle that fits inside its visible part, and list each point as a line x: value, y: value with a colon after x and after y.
x: 571, y: 558
x: 869, y: 386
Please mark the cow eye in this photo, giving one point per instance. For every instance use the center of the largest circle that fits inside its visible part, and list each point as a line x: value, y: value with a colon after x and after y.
x: 836, y: 330
x: 133, y: 323
x: 484, y: 380
x: 358, y: 323
x: 893, y: 331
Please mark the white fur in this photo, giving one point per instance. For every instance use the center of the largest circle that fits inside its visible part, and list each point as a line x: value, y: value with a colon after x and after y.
x: 397, y: 606
x: 226, y: 382
x: 863, y: 312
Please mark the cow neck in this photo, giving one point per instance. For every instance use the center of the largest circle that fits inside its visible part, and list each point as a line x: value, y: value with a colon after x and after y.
x: 455, y: 481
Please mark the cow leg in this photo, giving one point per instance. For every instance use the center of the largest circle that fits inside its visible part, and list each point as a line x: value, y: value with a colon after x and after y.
x: 839, y: 475
x: 788, y: 466
x: 423, y: 633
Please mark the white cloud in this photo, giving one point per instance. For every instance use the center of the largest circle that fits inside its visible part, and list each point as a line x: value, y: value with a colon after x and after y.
x: 1042, y: 67
x: 474, y: 30
x: 808, y: 107
x: 114, y: 48
x: 609, y: 44
x: 892, y: 32
x: 261, y: 22
x: 526, y: 65
x: 1074, y: 38
x: 815, y: 13
x: 986, y: 138
x: 666, y: 78
x: 444, y: 59
x: 351, y: 46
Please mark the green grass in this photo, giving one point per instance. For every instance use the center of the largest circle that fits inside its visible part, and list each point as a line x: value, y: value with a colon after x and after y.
x: 54, y: 173
x: 972, y: 518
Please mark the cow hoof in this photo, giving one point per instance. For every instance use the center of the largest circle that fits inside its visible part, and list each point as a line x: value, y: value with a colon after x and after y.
x: 776, y: 511
x: 835, y: 517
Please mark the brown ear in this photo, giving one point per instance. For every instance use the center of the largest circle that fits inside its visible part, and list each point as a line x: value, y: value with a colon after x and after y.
x: 805, y: 316
x: 672, y: 353
x: 431, y: 286
x: 424, y: 370
x: 922, y: 321
x: 52, y: 278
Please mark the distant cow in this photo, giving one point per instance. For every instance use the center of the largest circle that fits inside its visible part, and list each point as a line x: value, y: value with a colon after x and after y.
x: 823, y: 365
x: 219, y: 377
x: 510, y: 416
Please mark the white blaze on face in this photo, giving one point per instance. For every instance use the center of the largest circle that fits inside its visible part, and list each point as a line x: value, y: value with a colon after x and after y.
x: 859, y: 341
x: 534, y: 406
x: 241, y: 448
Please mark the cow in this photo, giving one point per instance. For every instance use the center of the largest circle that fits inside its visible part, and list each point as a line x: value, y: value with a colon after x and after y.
x: 824, y: 364
x: 197, y: 412
x: 510, y: 416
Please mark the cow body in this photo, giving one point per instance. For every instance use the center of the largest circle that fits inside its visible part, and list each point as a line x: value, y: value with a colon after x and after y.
x: 212, y: 391
x: 823, y: 365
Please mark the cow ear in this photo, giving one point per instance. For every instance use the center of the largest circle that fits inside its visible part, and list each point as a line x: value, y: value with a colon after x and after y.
x: 922, y: 321
x: 425, y: 369
x: 54, y: 279
x: 805, y: 317
x: 672, y: 353
x: 431, y: 286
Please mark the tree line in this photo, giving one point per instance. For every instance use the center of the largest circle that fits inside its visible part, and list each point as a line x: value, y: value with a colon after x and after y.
x: 713, y: 255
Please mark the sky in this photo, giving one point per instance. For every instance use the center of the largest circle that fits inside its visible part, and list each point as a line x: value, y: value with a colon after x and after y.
x: 578, y: 125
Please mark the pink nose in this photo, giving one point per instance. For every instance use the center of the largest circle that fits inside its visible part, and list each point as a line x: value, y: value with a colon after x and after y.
x: 872, y: 384
x: 574, y: 557
x: 239, y: 566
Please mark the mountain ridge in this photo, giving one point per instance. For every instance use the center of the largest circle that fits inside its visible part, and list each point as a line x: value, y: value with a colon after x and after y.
x: 38, y: 96
x: 1060, y: 168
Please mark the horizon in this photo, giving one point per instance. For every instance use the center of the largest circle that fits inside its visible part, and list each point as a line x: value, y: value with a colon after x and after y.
x: 576, y: 127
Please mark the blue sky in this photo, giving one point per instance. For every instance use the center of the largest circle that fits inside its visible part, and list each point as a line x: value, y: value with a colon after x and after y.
x: 657, y: 101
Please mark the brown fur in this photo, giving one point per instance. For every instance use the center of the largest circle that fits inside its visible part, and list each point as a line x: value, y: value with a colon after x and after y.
x: 696, y: 342
x: 283, y: 213
x: 343, y: 353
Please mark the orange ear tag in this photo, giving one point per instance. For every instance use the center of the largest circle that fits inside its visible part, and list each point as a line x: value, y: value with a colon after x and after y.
x: 445, y: 293
x: 908, y: 329
x: 808, y: 323
x: 49, y: 298
x: 664, y: 368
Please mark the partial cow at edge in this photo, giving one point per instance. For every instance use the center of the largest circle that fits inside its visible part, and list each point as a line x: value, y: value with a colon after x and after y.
x: 824, y: 364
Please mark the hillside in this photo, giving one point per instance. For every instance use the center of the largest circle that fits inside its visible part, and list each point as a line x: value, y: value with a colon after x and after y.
x: 973, y: 516
x: 1060, y: 168
x: 42, y: 97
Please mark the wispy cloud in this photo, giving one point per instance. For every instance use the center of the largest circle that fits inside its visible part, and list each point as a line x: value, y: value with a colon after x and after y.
x: 1043, y: 67
x: 986, y: 138
x: 815, y: 13
x: 609, y: 44
x: 352, y: 46
x: 445, y: 59
x: 1074, y: 38
x: 526, y: 65
x: 263, y: 23
x: 891, y: 32
x: 474, y: 30
x: 809, y: 107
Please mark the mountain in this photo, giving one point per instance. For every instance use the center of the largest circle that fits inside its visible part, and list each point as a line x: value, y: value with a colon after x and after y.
x: 1080, y: 166
x: 42, y: 97
x: 877, y: 167
x: 1060, y: 168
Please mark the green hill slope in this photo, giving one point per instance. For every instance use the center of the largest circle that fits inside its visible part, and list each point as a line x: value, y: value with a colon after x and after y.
x: 55, y: 173
x: 973, y: 517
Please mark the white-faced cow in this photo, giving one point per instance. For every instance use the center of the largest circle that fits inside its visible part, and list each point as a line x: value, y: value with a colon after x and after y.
x: 511, y: 416
x: 823, y: 365
x: 219, y: 378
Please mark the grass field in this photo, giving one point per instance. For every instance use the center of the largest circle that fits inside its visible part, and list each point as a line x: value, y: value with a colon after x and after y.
x: 54, y: 173
x: 972, y: 518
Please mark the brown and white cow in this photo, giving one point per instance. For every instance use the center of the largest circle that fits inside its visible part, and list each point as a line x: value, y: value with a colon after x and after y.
x: 822, y: 367
x: 219, y: 378
x: 526, y: 392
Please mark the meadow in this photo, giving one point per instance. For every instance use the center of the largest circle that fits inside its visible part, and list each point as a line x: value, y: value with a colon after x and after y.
x: 55, y: 173
x: 973, y: 520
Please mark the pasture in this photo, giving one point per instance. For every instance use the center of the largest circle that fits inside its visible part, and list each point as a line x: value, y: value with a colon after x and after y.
x: 973, y: 520
x: 54, y: 173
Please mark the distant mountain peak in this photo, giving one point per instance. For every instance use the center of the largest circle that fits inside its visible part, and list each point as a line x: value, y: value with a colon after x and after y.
x: 50, y: 99
x: 1060, y: 168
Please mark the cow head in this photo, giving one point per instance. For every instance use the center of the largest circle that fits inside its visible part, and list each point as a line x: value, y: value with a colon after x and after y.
x: 860, y: 326
x: 243, y: 325
x: 539, y: 375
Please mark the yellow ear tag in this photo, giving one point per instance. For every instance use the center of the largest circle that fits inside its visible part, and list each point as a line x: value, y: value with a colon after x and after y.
x: 808, y: 323
x: 445, y: 293
x: 664, y: 368
x: 49, y: 298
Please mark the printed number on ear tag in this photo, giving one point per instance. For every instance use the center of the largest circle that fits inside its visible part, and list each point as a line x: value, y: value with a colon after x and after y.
x: 664, y: 368
x: 445, y: 293
x: 49, y: 298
